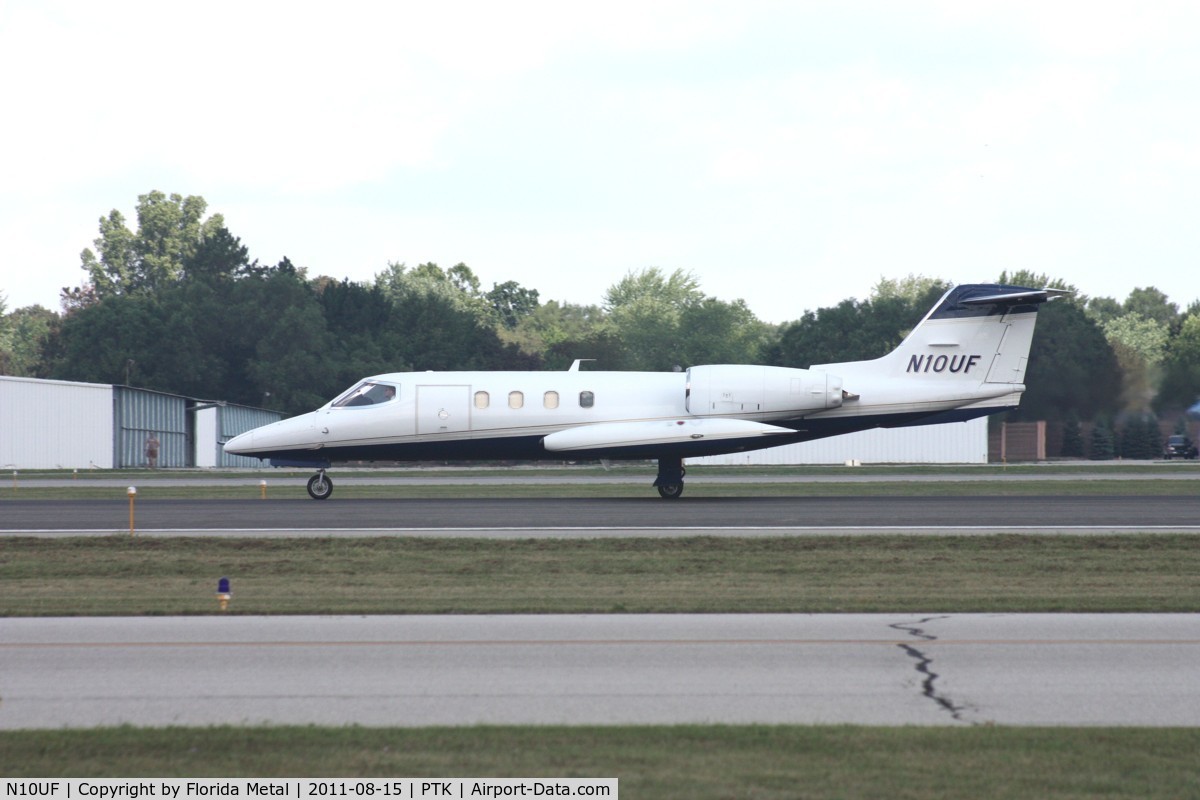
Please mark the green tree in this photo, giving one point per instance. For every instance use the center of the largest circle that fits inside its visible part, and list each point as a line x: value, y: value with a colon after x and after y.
x: 441, y: 334
x: 854, y: 330
x: 674, y: 291
x: 663, y: 321
x: 1139, y: 345
x: 429, y: 281
x: 112, y: 340
x: 1145, y: 336
x: 717, y: 332
x: 553, y: 322
x: 437, y: 321
x: 463, y: 278
x: 1139, y: 437
x: 114, y: 272
x: 644, y: 309
x: 359, y: 318
x: 1072, y: 367
x: 270, y: 341
x: 1137, y: 378
x: 219, y: 256
x: 915, y: 289
x: 1139, y: 332
x: 512, y: 302
x: 6, y: 338
x: 292, y: 365
x: 1104, y: 309
x: 1180, y: 384
x: 1072, y: 440
x: 1103, y: 444
x: 600, y: 346
x: 258, y: 340
x: 1154, y: 437
x: 170, y: 231
x: 560, y: 333
x: 31, y: 330
x: 1152, y: 304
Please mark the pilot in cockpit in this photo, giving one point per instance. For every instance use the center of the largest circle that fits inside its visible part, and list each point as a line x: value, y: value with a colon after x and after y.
x: 368, y: 394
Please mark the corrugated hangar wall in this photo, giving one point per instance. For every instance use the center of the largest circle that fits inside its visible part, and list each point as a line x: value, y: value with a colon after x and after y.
x: 55, y: 424
x: 139, y: 413
x: 950, y: 443
x: 64, y: 425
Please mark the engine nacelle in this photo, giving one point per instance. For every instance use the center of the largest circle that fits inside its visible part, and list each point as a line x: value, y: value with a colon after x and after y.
x: 720, y: 389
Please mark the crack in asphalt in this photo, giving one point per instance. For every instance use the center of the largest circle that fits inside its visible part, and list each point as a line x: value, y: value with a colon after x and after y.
x: 923, y: 666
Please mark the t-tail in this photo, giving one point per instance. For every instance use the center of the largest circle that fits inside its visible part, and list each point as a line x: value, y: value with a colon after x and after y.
x: 969, y: 353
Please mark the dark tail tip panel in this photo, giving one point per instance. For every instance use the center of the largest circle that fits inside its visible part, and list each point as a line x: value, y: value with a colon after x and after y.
x: 985, y: 299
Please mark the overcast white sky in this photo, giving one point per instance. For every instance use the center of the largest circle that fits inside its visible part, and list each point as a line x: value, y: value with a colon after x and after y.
x: 787, y: 153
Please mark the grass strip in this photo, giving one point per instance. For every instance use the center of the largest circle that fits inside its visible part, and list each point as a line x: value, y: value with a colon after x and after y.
x: 693, y: 762
x: 120, y: 575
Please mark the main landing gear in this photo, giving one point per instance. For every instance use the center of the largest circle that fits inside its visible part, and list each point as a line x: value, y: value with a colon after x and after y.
x: 670, y: 478
x: 320, y: 486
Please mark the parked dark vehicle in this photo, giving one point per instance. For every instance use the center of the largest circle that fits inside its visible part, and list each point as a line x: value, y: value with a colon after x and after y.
x: 1179, y: 447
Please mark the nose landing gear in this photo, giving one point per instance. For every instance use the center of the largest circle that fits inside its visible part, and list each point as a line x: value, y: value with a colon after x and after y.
x: 320, y: 486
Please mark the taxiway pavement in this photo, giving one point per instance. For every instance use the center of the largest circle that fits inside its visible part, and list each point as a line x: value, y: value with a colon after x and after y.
x: 878, y: 669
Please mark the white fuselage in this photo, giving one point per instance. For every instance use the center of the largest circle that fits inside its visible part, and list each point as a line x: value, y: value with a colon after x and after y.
x: 966, y: 359
x: 619, y: 409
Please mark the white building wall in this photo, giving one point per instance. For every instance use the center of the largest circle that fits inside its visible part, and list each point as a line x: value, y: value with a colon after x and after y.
x: 55, y: 424
x: 950, y: 443
x: 206, y: 437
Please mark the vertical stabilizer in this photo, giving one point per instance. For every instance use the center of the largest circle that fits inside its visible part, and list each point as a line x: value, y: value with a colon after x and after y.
x: 977, y: 331
x: 976, y: 335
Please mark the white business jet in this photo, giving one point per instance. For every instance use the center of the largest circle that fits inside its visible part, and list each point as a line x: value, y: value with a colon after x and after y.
x: 965, y: 359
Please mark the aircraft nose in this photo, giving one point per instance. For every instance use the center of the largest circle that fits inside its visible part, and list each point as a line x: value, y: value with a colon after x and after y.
x: 239, y: 444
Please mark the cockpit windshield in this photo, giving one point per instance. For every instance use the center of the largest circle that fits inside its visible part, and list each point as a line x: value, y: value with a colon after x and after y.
x: 367, y: 393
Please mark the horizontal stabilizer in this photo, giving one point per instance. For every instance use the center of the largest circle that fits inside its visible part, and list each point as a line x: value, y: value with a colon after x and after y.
x: 1016, y: 298
x: 655, y: 432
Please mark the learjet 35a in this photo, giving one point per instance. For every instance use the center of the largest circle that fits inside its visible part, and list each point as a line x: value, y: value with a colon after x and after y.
x: 965, y: 359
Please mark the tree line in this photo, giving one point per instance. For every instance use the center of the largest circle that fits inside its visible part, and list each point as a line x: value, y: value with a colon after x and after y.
x: 175, y: 303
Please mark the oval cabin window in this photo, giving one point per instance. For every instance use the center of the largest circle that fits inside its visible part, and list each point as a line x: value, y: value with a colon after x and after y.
x: 482, y: 400
x: 550, y: 400
x: 516, y: 399
x: 587, y: 399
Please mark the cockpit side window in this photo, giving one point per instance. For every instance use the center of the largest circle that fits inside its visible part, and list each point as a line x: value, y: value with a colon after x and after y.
x: 367, y: 393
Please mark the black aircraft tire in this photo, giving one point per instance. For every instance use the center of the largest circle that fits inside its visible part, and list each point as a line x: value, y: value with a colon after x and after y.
x: 320, y: 487
x: 670, y: 491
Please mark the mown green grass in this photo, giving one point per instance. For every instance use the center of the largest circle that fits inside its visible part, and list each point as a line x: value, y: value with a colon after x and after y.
x: 123, y: 575
x: 695, y: 762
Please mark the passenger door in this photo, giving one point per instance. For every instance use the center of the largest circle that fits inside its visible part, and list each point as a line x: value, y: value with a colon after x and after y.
x: 443, y: 409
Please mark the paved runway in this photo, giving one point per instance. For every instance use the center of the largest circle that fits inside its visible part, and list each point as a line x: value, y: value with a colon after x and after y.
x: 884, y: 669
x: 650, y: 516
